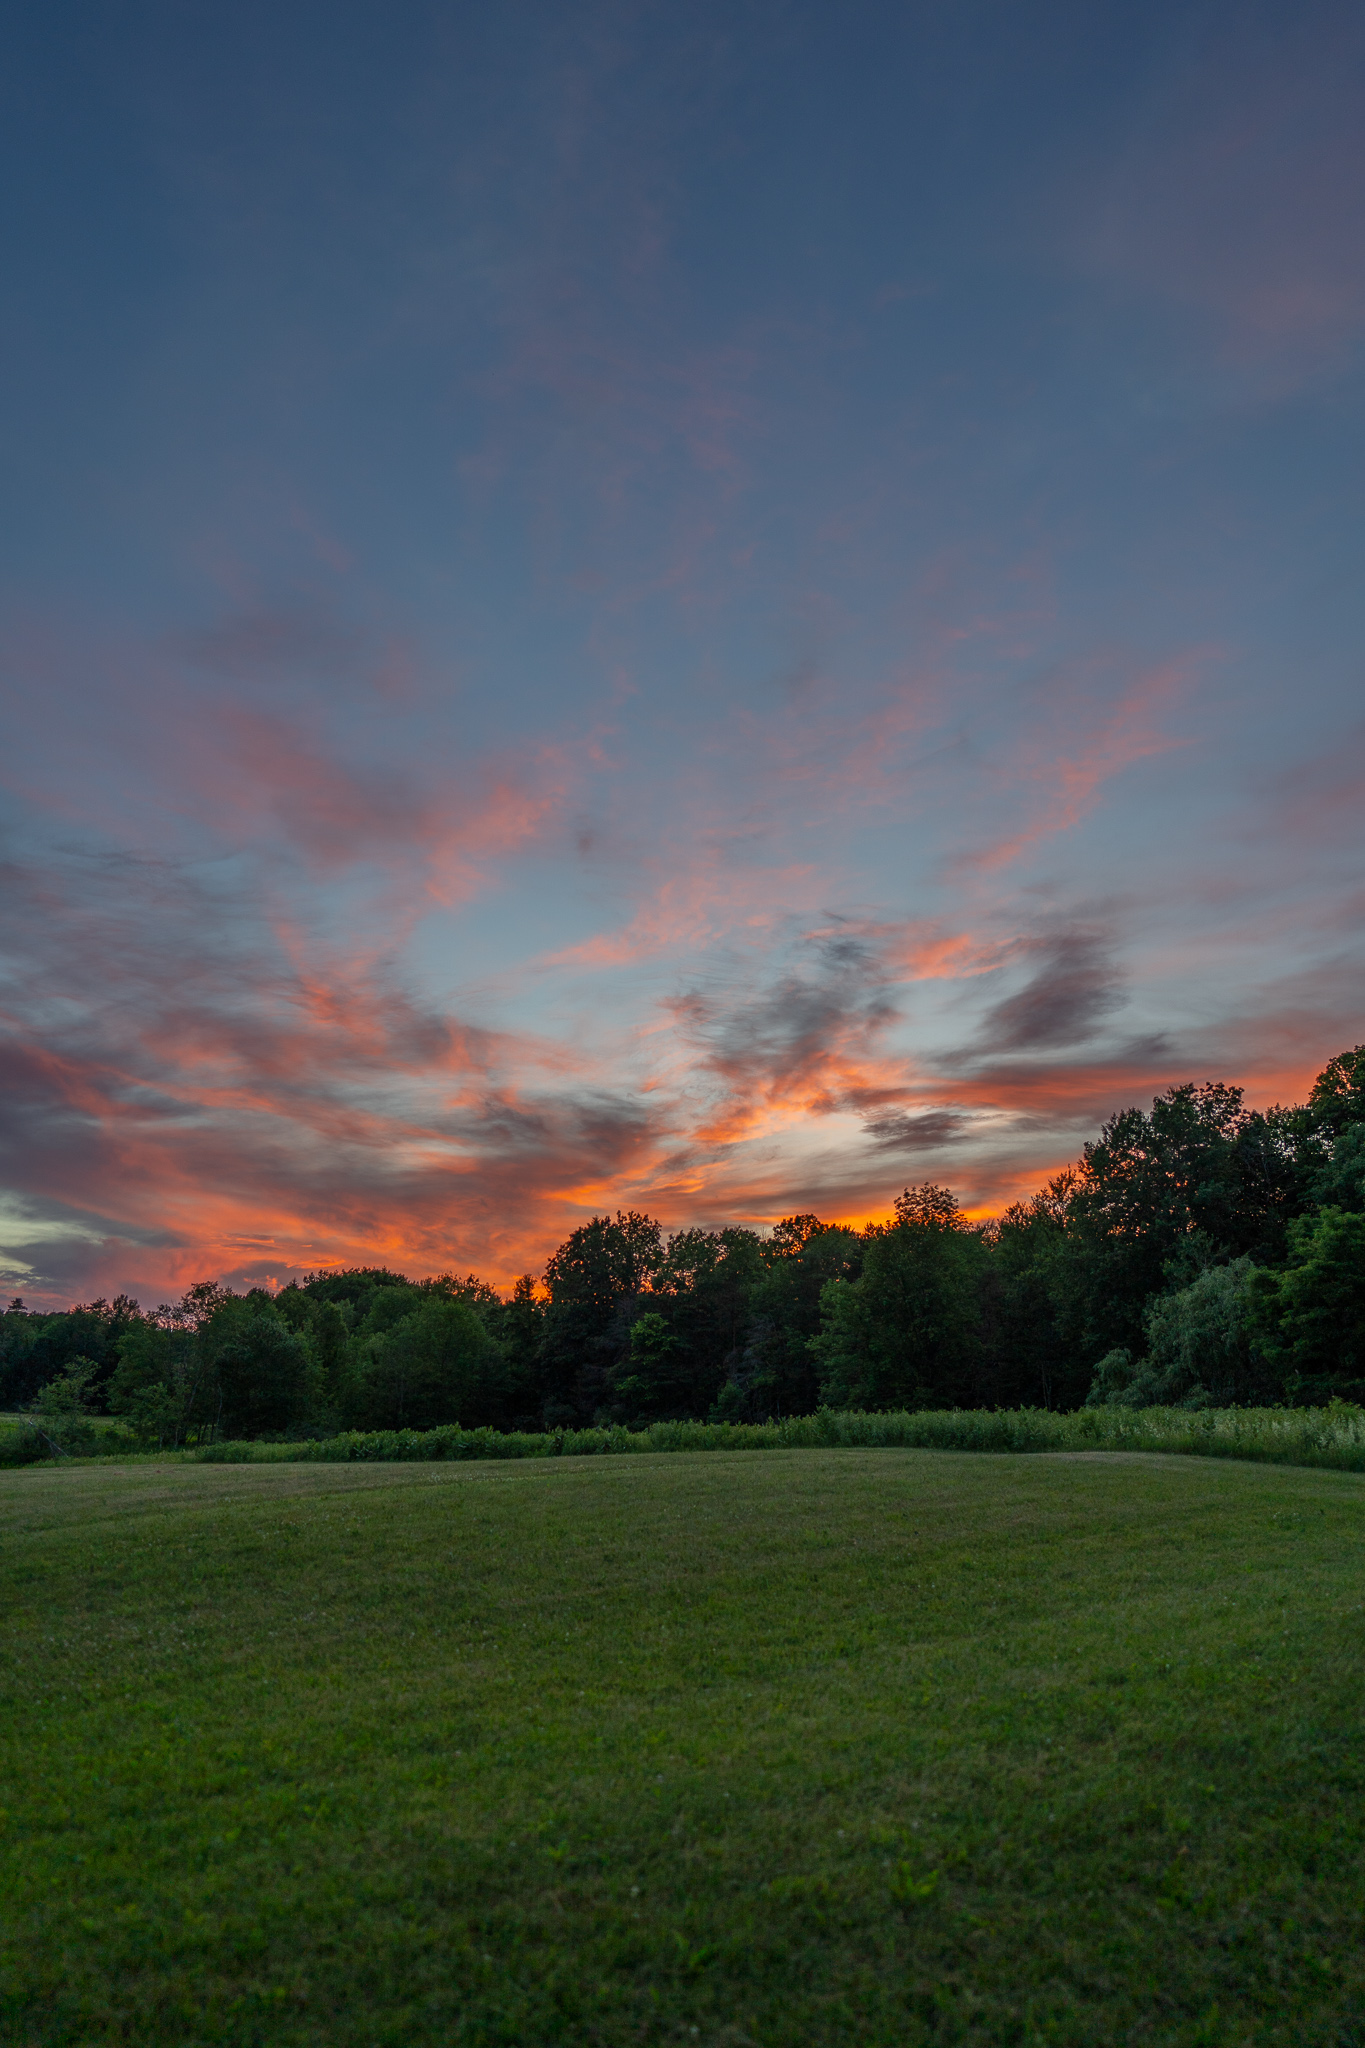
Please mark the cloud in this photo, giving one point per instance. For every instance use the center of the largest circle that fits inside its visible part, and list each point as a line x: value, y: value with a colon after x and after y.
x: 930, y: 1131
x: 1065, y: 1001
x: 161, y: 763
x: 808, y: 1043
x: 1059, y: 779
x: 698, y: 903
x: 247, y: 1110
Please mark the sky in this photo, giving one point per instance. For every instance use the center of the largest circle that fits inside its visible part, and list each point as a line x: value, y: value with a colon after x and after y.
x: 709, y: 609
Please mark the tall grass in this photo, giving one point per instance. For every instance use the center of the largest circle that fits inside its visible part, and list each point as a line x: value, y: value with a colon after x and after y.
x: 1332, y: 1436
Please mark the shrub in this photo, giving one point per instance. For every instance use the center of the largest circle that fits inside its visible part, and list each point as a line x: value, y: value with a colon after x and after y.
x: 1201, y: 1349
x: 1331, y: 1436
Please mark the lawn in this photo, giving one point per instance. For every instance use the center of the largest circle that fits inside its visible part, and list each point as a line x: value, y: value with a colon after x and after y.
x: 808, y: 1747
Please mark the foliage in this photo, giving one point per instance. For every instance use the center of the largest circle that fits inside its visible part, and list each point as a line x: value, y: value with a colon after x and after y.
x: 1338, y: 1097
x: 1201, y: 1349
x: 1200, y: 1176
x: 1340, y: 1182
x: 905, y: 1332
x: 776, y: 1371
x: 36, y: 1348
x: 1124, y: 1279
x: 61, y: 1409
x: 650, y: 1380
x: 593, y: 1281
x: 160, y: 1386
x: 1333, y: 1436
x: 1312, y: 1312
x: 267, y: 1379
x: 1032, y: 1348
x: 435, y: 1365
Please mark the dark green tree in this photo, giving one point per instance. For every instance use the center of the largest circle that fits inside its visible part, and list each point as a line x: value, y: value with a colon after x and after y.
x: 906, y: 1333
x: 437, y: 1365
x: 652, y: 1381
x: 593, y: 1282
x: 519, y: 1329
x: 267, y: 1377
x: 1200, y: 1180
x: 1340, y: 1181
x: 700, y: 1294
x: 164, y: 1384
x: 1202, y: 1349
x: 1311, y: 1312
x: 1033, y: 1353
x: 775, y: 1372
x: 1338, y: 1097
x: 37, y: 1348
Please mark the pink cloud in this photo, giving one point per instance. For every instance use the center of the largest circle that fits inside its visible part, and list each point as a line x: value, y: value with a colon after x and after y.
x: 1061, y: 780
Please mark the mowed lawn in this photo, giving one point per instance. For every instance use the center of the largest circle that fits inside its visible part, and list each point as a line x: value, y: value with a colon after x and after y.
x: 793, y: 1747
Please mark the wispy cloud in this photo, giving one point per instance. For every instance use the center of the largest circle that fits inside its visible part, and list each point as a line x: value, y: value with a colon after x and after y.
x: 1078, y: 743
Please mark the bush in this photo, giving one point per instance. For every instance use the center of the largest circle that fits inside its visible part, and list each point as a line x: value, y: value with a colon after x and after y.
x: 1332, y: 1436
x: 1201, y: 1349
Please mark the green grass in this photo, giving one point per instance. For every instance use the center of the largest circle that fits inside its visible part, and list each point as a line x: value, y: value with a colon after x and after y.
x: 823, y: 1746
x: 1333, y: 1436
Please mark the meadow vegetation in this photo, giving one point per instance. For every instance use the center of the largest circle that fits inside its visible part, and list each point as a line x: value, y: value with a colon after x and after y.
x: 823, y: 1746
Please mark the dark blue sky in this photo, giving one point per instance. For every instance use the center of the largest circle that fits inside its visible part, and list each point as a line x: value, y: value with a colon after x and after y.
x: 715, y: 609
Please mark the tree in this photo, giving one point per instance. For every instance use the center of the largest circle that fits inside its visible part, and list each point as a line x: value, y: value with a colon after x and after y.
x: 520, y: 1329
x: 906, y: 1333
x: 1311, y: 1313
x: 61, y: 1408
x: 1340, y: 1181
x: 330, y: 1331
x: 1201, y: 1349
x: 1032, y: 1318
x: 652, y: 1381
x: 593, y: 1281
x: 267, y: 1378
x: 1199, y: 1181
x: 702, y: 1288
x: 789, y: 1238
x: 159, y: 1385
x: 37, y: 1348
x: 928, y: 1206
x: 437, y: 1365
x: 774, y: 1371
x: 1338, y: 1097
x: 351, y: 1285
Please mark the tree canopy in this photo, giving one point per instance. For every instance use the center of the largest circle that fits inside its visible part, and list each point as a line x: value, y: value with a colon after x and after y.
x: 1197, y: 1252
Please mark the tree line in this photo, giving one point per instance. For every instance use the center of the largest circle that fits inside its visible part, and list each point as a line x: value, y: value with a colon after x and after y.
x: 1198, y: 1254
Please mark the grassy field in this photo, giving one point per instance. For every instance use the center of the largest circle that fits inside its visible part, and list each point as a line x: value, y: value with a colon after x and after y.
x: 819, y: 1746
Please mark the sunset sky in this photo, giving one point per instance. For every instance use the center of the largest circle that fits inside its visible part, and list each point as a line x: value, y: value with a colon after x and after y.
x: 713, y: 608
